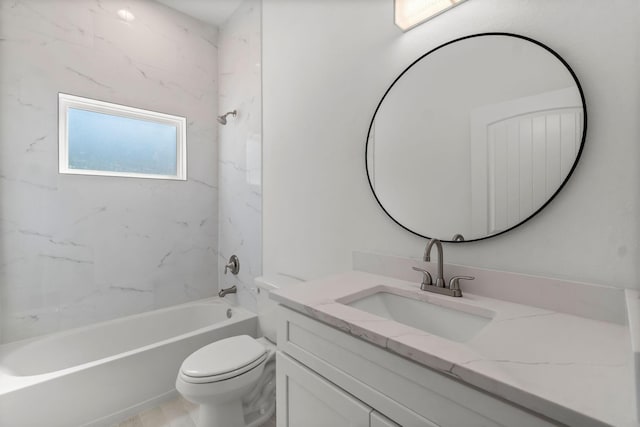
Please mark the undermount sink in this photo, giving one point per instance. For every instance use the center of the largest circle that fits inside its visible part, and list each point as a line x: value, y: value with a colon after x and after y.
x: 450, y: 323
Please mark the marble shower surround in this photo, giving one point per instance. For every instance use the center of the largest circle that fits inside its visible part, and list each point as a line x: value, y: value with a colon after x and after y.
x: 240, y: 154
x: 81, y: 249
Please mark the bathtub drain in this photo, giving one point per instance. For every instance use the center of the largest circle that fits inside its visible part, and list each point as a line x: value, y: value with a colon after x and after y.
x: 229, y: 313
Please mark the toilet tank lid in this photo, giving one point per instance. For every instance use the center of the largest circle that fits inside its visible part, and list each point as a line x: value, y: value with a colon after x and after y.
x: 275, y: 281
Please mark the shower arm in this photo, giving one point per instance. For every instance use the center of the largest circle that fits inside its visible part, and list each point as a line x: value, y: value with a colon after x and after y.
x: 223, y: 118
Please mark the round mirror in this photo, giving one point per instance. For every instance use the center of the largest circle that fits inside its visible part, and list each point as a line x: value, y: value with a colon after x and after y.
x: 475, y: 137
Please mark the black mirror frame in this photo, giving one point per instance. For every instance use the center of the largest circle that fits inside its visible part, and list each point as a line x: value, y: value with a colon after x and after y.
x: 573, y: 167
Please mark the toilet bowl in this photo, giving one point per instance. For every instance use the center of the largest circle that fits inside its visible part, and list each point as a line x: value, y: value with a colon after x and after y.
x: 218, y: 376
x: 233, y: 380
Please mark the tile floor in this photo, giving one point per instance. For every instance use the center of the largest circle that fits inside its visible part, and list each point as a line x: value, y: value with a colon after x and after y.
x: 174, y: 413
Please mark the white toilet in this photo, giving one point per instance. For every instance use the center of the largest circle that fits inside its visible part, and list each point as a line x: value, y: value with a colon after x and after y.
x: 233, y: 380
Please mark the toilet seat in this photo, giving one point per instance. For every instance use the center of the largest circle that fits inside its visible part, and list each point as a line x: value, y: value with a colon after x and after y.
x: 223, y: 360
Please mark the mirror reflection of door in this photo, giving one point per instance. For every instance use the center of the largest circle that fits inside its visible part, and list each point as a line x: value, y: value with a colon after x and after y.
x: 521, y: 152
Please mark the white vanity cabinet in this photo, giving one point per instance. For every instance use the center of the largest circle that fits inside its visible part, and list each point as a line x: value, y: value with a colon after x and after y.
x: 326, y: 377
x: 312, y: 401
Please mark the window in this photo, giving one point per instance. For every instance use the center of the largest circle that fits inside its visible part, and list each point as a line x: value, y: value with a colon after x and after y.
x: 100, y: 138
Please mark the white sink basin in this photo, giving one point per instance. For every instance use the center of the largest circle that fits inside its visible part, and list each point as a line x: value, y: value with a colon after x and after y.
x: 454, y: 324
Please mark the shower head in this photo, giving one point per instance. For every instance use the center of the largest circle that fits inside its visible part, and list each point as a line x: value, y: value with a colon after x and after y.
x: 223, y: 118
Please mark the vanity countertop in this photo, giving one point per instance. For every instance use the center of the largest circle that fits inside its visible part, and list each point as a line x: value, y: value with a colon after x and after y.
x: 575, y: 370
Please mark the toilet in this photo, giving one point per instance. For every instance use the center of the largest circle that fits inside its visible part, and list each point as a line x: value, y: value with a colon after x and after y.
x: 233, y: 380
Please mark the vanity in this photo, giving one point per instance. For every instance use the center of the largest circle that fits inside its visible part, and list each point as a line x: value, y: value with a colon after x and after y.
x: 353, y: 351
x: 470, y: 141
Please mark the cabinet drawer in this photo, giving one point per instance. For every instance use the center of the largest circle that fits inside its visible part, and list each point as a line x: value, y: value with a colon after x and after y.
x: 401, y: 389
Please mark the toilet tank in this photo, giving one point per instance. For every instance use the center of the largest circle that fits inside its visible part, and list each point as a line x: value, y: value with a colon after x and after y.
x: 266, y: 306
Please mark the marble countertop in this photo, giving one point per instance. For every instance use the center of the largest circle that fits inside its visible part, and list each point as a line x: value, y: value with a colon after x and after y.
x: 575, y: 370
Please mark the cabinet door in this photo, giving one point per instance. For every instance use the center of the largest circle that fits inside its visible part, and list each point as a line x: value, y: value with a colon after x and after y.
x: 307, y: 400
x: 379, y: 420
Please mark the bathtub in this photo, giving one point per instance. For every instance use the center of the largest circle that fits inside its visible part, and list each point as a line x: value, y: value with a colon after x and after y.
x: 103, y: 373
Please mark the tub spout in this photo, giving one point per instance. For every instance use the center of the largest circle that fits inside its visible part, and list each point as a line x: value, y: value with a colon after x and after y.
x: 231, y: 290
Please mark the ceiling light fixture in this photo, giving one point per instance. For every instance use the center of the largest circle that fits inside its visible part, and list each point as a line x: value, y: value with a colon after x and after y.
x: 409, y: 13
x: 126, y: 15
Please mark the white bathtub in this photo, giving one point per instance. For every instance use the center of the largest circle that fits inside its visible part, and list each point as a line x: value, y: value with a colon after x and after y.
x: 102, y: 373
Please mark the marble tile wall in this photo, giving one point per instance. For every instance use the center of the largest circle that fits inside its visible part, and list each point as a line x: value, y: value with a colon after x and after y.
x: 80, y: 249
x: 240, y: 153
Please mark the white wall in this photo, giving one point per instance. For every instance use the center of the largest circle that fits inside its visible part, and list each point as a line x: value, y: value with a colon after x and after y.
x: 240, y: 156
x: 80, y: 249
x: 326, y: 65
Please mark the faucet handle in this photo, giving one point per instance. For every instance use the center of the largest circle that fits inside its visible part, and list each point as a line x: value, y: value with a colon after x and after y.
x: 454, y: 283
x: 233, y: 265
x: 426, y: 277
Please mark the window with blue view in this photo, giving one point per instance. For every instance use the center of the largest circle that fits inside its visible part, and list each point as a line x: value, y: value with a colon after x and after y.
x: 109, y: 139
x: 119, y: 144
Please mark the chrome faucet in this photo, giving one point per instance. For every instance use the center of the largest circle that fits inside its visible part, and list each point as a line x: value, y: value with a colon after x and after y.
x: 233, y: 265
x: 232, y: 290
x: 427, y: 258
x: 439, y: 287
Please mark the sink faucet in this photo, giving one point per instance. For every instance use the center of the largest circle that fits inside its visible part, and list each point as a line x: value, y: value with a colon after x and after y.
x: 427, y: 257
x: 439, y: 287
